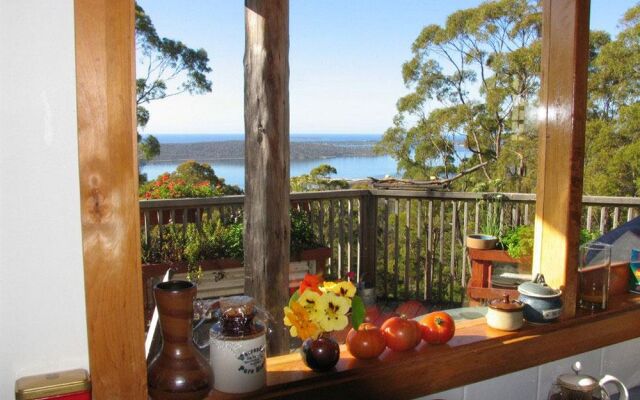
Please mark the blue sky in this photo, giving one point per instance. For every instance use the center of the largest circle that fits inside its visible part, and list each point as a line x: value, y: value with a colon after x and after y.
x: 345, y: 60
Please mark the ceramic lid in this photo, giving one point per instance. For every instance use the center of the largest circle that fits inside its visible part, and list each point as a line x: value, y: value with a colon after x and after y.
x: 505, y: 304
x: 538, y: 288
x: 577, y: 382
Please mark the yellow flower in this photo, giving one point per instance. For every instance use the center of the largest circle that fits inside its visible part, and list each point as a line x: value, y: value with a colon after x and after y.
x: 343, y: 288
x: 298, y: 319
x: 310, y: 301
x: 334, y: 309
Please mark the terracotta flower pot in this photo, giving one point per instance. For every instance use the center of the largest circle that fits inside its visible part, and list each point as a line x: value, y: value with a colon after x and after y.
x: 481, y: 242
x: 179, y: 371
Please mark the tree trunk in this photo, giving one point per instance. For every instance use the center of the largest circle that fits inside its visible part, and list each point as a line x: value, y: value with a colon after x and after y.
x: 266, y: 118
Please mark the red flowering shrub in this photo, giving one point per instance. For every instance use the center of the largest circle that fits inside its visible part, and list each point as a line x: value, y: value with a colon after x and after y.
x: 168, y: 187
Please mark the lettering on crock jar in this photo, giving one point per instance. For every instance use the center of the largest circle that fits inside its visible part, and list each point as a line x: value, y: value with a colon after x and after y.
x: 252, y: 360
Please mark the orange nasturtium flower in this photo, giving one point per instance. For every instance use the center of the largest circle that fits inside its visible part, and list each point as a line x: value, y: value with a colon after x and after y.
x: 301, y: 325
x: 312, y: 282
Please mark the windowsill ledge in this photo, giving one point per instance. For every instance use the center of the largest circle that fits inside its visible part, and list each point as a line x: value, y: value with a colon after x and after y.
x: 476, y: 353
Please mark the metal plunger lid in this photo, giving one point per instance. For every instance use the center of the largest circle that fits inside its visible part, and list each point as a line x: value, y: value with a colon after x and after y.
x: 577, y: 382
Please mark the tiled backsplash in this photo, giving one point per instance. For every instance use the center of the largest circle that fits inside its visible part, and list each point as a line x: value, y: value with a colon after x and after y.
x: 621, y: 360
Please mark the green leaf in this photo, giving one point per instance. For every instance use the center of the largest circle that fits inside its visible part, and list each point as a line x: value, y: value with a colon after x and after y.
x: 358, y: 312
x: 294, y: 297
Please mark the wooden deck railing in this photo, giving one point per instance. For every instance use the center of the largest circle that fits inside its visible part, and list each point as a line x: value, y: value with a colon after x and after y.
x: 409, y: 244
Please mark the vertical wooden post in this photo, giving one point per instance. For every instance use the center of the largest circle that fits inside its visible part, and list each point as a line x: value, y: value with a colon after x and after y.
x: 266, y: 118
x: 107, y: 152
x: 368, y: 237
x: 563, y: 98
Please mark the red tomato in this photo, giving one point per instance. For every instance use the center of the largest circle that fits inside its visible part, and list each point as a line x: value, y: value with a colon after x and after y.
x: 367, y: 342
x: 419, y: 330
x: 437, y: 327
x: 383, y: 317
x: 373, y: 313
x: 401, y: 334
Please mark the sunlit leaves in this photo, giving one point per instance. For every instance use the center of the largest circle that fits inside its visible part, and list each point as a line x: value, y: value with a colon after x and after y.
x: 464, y: 79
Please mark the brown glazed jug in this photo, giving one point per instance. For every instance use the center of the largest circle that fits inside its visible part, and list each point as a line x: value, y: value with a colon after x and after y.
x: 179, y: 371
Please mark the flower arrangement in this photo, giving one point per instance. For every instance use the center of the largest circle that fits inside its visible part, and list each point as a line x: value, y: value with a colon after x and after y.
x: 319, y: 307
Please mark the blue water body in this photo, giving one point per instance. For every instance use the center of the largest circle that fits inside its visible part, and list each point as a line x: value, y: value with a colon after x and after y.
x: 233, y: 170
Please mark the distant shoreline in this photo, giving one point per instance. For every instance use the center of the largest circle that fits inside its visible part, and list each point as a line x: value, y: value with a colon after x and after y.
x: 234, y: 150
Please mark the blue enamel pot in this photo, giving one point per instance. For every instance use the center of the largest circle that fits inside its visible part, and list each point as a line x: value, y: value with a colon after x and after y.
x: 542, y: 303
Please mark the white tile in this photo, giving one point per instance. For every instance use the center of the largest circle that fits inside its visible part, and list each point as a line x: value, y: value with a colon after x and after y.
x: 622, y: 360
x: 451, y: 394
x: 521, y: 385
x: 547, y: 373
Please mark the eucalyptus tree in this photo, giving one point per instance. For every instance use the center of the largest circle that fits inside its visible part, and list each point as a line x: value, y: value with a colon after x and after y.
x: 612, y: 162
x: 469, y: 79
x: 169, y: 68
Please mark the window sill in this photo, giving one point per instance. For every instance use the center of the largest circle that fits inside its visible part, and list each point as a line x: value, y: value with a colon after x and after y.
x: 477, y: 352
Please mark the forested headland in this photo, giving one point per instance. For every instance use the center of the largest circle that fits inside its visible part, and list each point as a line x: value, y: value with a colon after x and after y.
x: 234, y: 149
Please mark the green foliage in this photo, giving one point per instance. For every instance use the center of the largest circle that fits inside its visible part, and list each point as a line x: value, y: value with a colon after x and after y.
x: 358, y: 312
x: 491, y: 225
x: 472, y: 81
x: 613, y: 125
x: 518, y: 241
x: 191, y: 179
x: 494, y: 47
x: 323, y: 171
x: 194, y: 172
x: 214, y: 239
x: 168, y: 187
x: 149, y: 147
x: 319, y: 178
x: 587, y: 236
x: 164, y: 61
x: 302, y: 234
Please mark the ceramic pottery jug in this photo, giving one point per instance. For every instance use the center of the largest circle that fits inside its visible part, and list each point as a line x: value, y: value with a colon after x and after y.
x: 179, y: 371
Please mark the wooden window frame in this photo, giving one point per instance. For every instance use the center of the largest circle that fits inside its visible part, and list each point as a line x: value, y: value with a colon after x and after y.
x: 105, y: 66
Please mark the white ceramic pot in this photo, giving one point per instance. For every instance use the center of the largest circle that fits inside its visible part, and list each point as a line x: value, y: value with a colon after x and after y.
x: 505, y: 314
x: 238, y: 363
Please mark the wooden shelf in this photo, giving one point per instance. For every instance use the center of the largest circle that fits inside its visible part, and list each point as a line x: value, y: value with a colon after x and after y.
x: 477, y: 352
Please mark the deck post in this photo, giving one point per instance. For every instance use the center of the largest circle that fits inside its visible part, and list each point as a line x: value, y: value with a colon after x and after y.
x: 368, y: 236
x: 266, y: 118
x: 562, y: 115
x: 107, y: 156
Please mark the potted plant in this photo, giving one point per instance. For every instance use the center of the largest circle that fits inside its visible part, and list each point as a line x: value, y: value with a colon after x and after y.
x: 211, y: 253
x: 488, y: 239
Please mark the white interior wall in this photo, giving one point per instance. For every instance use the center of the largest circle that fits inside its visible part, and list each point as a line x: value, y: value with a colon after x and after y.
x: 42, y: 307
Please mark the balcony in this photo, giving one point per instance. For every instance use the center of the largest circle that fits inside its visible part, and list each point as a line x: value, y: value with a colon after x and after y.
x: 371, y: 232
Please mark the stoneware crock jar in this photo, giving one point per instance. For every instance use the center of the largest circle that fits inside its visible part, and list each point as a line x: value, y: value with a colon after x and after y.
x: 179, y: 371
x: 542, y: 303
x: 238, y: 347
x: 505, y: 314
